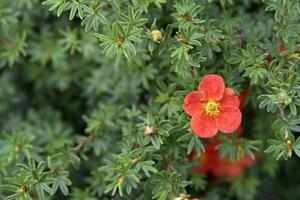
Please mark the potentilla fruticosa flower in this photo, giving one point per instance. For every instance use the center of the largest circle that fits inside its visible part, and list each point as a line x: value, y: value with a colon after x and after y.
x: 212, y: 163
x: 213, y: 107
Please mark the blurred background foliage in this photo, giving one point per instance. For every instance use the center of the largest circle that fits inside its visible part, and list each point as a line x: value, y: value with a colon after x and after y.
x: 91, y: 97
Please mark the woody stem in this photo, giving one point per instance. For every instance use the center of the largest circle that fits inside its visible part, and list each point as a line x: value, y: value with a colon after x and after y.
x: 83, y: 143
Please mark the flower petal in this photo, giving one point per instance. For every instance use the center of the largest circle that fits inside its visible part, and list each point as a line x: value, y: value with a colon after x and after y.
x: 203, y: 125
x: 229, y: 98
x: 212, y: 87
x: 228, y: 169
x: 229, y: 92
x: 192, y: 103
x: 243, y: 97
x: 248, y: 161
x: 229, y: 119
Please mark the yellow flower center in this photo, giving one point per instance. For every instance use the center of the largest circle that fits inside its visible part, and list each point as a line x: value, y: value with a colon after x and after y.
x: 212, y: 108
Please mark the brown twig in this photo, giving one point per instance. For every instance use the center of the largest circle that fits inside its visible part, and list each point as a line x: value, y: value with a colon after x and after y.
x: 282, y: 113
x: 83, y: 143
x: 287, y: 141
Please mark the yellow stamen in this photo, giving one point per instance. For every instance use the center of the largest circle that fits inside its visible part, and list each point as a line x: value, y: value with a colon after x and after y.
x: 212, y: 108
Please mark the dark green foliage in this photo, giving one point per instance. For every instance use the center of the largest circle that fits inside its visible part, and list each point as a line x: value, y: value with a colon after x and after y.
x: 91, y: 97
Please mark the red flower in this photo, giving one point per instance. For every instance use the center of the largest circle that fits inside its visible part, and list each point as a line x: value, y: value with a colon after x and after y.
x: 213, y: 107
x: 211, y: 162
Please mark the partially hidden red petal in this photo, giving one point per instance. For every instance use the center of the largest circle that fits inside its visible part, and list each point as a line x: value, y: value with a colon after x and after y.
x: 229, y: 119
x: 192, y: 103
x: 203, y: 125
x: 248, y: 161
x: 229, y: 92
x: 243, y: 97
x: 212, y: 87
x: 230, y: 98
x: 239, y: 131
x: 229, y: 169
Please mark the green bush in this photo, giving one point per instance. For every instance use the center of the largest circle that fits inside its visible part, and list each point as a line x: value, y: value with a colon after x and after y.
x: 93, y: 99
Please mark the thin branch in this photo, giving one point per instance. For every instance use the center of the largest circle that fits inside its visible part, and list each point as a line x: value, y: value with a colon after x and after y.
x: 282, y: 113
x: 83, y: 143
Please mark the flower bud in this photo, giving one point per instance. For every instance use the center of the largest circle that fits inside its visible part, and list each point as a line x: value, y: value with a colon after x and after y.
x: 156, y: 36
x: 149, y: 131
x: 284, y: 98
x: 23, y: 189
x: 135, y: 160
